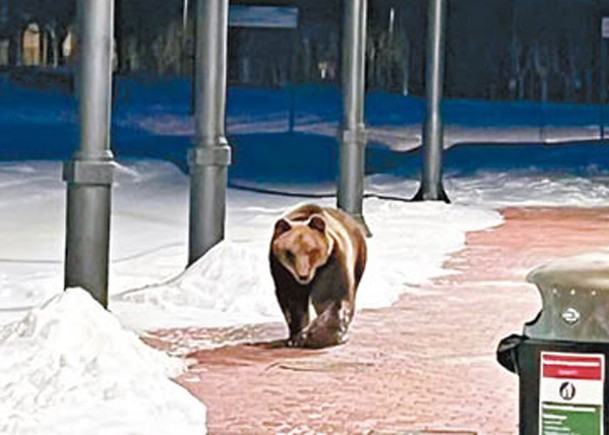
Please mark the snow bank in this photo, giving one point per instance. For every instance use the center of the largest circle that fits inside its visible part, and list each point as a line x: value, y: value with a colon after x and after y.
x: 498, y: 189
x: 531, y: 189
x: 410, y: 244
x: 230, y: 285
x: 69, y: 368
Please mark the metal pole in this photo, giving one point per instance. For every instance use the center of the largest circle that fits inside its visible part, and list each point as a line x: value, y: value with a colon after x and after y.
x: 183, y: 42
x: 603, y: 78
x: 210, y: 156
x: 184, y: 15
x: 90, y: 172
x: 291, y: 83
x: 433, y: 135
x: 353, y: 138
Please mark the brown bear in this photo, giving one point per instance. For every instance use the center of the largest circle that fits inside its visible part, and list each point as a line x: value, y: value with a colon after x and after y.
x: 318, y: 256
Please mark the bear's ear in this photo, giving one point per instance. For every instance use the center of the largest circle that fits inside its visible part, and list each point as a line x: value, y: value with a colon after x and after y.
x: 281, y: 227
x: 317, y: 223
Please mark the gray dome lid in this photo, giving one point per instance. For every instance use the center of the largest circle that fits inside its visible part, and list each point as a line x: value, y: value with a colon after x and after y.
x: 575, y: 294
x: 580, y: 272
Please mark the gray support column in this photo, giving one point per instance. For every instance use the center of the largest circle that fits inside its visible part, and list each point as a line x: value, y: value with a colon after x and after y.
x: 89, y: 174
x: 210, y: 156
x: 353, y: 135
x: 433, y: 134
x: 603, y: 44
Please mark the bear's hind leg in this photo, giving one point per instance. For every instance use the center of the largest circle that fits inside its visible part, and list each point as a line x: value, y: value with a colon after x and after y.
x: 329, y: 328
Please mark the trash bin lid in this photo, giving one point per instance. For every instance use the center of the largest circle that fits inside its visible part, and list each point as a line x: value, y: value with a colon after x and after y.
x: 575, y: 295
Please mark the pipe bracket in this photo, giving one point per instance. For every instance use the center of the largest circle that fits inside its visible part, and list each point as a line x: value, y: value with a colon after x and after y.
x: 89, y: 172
x: 358, y: 135
x: 209, y: 156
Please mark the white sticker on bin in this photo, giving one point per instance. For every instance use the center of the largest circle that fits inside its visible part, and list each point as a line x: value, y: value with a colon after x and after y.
x: 571, y: 393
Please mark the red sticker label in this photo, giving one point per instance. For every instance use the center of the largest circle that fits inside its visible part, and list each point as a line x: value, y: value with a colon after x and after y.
x: 572, y: 367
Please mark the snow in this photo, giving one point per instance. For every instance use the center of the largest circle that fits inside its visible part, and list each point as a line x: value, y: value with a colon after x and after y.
x: 70, y: 368
x: 498, y: 189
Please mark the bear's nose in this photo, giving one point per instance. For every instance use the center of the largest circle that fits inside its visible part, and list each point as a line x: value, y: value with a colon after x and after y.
x: 302, y: 277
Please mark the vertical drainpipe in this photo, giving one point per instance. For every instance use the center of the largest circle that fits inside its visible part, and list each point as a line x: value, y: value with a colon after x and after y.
x: 433, y: 134
x: 353, y: 134
x: 210, y: 156
x: 89, y: 174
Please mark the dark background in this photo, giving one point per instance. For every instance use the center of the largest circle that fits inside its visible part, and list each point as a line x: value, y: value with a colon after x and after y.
x: 540, y: 50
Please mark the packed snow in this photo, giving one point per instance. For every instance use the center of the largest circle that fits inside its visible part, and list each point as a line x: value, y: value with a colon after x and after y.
x: 69, y: 367
x: 533, y: 188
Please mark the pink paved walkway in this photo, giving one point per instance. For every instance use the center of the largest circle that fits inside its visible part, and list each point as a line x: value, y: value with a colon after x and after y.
x: 425, y: 365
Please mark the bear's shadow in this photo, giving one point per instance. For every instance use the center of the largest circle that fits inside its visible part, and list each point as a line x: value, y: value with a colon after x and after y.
x: 270, y: 345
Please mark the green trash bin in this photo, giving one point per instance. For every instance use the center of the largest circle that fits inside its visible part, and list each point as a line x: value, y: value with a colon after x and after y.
x: 561, y: 358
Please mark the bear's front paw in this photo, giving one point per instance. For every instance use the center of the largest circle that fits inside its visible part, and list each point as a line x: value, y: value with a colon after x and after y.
x: 290, y: 342
x: 297, y: 340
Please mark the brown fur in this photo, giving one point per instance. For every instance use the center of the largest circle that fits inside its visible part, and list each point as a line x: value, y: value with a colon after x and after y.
x: 317, y: 256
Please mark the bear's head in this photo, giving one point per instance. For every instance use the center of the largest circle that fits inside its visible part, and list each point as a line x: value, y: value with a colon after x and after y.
x: 302, y: 247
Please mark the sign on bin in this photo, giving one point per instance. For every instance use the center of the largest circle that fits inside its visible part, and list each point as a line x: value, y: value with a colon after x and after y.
x: 571, y: 393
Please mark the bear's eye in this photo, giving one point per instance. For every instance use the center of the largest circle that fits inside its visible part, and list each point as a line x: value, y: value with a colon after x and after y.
x: 289, y: 255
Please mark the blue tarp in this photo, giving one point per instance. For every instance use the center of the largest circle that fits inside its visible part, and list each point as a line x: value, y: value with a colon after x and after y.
x: 42, y: 124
